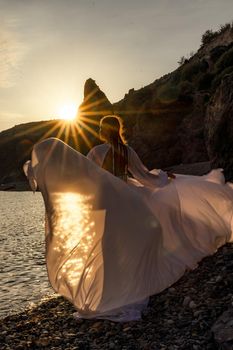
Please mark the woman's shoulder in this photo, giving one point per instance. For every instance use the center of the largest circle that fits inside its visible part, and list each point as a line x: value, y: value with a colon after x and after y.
x: 100, y: 148
x: 97, y: 153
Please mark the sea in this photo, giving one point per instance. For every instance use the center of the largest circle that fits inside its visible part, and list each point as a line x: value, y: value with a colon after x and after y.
x: 23, y: 273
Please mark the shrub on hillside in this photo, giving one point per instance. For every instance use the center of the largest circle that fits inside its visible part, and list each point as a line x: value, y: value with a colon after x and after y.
x: 185, y: 59
x: 225, y: 27
x: 182, y: 60
x: 208, y: 36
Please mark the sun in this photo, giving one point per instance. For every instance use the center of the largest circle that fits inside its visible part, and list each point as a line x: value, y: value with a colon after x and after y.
x: 67, y: 111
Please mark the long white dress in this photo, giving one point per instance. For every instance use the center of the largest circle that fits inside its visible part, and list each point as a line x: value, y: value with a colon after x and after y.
x: 111, y: 244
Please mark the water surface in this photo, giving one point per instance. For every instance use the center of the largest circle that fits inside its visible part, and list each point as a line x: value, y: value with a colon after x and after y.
x: 23, y: 274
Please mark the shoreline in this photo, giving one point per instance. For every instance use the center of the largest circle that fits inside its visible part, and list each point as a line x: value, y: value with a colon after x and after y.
x: 182, y: 317
x: 200, y: 168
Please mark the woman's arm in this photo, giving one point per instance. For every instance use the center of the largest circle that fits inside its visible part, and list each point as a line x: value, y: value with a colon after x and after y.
x: 98, y: 153
x: 159, y: 178
x: 91, y: 154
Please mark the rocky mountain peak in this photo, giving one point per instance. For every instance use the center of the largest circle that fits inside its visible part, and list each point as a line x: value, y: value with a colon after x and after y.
x: 95, y: 101
x: 90, y: 86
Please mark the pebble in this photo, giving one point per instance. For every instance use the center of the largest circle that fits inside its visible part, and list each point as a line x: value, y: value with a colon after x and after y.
x: 196, y: 347
x: 197, y: 313
x: 186, y: 301
x: 170, y: 322
x: 126, y: 329
x: 218, y: 278
x: 192, y: 305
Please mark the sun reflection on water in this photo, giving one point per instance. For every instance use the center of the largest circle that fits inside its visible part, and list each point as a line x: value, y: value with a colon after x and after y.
x: 74, y: 233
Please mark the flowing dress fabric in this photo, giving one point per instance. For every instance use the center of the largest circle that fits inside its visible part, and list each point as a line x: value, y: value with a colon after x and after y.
x: 111, y: 244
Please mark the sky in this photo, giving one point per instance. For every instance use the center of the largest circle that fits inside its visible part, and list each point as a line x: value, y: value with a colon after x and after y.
x: 48, y: 48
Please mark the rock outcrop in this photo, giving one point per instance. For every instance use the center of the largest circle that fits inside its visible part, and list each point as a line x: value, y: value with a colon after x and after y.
x: 154, y: 132
x: 166, y: 120
x: 95, y: 103
x: 219, y: 127
x: 192, y: 132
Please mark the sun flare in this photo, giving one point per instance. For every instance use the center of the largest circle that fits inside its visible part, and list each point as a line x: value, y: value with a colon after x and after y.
x: 67, y: 111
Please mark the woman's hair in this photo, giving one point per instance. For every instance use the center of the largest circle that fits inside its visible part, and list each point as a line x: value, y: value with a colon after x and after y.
x: 116, y: 159
x: 112, y: 126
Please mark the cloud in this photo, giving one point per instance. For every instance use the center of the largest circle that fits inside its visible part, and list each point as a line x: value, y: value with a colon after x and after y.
x: 12, y: 52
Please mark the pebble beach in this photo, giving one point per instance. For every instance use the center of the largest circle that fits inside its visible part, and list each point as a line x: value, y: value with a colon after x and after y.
x: 195, y: 313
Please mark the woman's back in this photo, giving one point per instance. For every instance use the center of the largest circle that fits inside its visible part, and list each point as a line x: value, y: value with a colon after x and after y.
x: 116, y: 161
x: 100, y: 155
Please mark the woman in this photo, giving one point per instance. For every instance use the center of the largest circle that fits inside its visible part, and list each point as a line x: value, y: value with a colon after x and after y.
x: 120, y: 159
x: 110, y: 245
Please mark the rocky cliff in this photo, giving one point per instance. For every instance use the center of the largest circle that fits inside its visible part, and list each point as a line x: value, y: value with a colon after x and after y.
x: 219, y: 127
x: 94, y: 106
x: 166, y: 120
